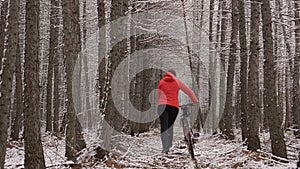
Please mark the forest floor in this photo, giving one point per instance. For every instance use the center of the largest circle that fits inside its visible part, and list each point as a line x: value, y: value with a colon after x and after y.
x: 144, y: 152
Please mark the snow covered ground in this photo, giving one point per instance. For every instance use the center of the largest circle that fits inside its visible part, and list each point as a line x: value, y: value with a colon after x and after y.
x: 144, y: 152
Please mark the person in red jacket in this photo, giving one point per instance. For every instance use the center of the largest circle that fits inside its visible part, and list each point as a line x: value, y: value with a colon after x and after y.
x: 168, y: 106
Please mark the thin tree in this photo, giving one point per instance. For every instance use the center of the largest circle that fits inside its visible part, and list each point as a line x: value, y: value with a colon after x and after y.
x: 16, y: 126
x: 198, y: 19
x: 52, y: 51
x: 3, y: 20
x: 296, y: 73
x: 228, y: 112
x: 224, y: 22
x: 217, y: 45
x: 244, y: 68
x: 253, y: 93
x: 54, y: 23
x: 103, y: 75
x: 71, y: 29
x: 86, y: 69
x: 8, y: 70
x: 34, y: 155
x: 212, y: 86
x: 102, y: 54
x: 288, y: 66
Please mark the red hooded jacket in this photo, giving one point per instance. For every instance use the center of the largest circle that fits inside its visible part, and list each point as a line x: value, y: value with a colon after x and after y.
x: 168, y: 89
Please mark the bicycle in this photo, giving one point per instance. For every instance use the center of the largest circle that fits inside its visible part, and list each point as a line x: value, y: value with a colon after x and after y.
x: 187, y: 130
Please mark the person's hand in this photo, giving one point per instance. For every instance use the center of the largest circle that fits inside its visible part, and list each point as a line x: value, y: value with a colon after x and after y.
x: 196, y: 101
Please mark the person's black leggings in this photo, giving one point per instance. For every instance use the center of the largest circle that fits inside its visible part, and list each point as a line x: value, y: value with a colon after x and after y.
x: 167, y: 118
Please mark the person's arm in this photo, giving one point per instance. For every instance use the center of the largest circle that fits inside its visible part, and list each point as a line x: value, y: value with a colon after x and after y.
x: 187, y: 91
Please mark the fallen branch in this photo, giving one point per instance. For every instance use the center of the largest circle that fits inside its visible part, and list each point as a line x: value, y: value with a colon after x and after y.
x: 230, y: 151
x: 278, y: 160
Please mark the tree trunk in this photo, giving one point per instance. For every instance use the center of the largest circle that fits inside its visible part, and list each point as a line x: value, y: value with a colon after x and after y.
x: 3, y: 20
x: 34, y: 155
x: 228, y: 112
x: 7, y: 75
x: 86, y: 71
x: 224, y: 22
x: 296, y: 73
x: 212, y: 86
x: 54, y: 31
x: 80, y: 142
x: 198, y: 19
x: 117, y: 54
x: 283, y: 80
x: 101, y: 56
x: 104, y: 69
x: 15, y: 130
x: 71, y: 30
x: 270, y: 97
x: 218, y: 111
x: 288, y: 72
x: 244, y: 68
x: 50, y: 78
x: 253, y: 85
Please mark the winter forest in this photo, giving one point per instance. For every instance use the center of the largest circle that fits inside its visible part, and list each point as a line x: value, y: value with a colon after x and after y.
x: 79, y: 83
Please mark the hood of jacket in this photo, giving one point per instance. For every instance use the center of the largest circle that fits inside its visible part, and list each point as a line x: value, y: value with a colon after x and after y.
x: 169, y: 77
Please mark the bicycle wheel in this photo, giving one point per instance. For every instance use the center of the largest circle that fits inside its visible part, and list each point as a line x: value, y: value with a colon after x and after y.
x: 188, y: 137
x: 190, y: 145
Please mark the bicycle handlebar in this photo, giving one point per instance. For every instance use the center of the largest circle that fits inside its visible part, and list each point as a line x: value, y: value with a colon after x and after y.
x: 185, y: 105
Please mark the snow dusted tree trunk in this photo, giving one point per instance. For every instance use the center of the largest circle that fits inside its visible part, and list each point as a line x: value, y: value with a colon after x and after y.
x: 198, y: 17
x: 86, y: 70
x: 244, y: 69
x: 80, y: 142
x: 44, y: 56
x: 15, y: 129
x: 212, y: 82
x: 228, y: 112
x: 7, y: 75
x: 142, y: 82
x: 52, y: 52
x: 102, y: 54
x: 103, y: 79
x: 3, y: 20
x: 253, y: 93
x: 117, y: 54
x: 198, y: 14
x: 296, y: 73
x: 212, y: 89
x: 133, y: 95
x: 74, y: 140
x: 19, y: 105
x: 53, y: 64
x: 139, y: 95
x: 288, y: 72
x: 34, y: 155
x: 271, y: 110
x: 54, y: 43
x: 218, y: 110
x: 138, y: 89
x: 280, y: 57
x: 224, y: 22
x: 77, y: 84
x: 56, y: 102
x: 186, y: 36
